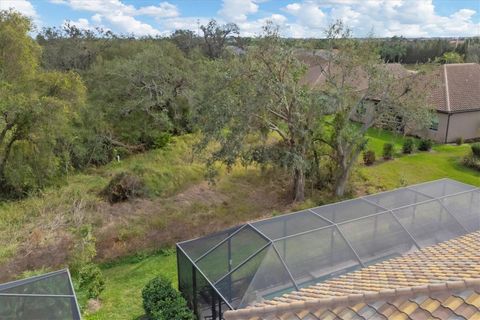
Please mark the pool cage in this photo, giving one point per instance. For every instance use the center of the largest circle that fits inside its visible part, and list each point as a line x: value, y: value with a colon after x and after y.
x: 241, y: 266
x: 46, y: 297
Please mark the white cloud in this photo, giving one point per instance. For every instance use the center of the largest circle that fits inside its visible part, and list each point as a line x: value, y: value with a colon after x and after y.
x: 299, y: 18
x: 410, y: 18
x: 238, y: 10
x: 308, y: 13
x: 23, y: 6
x: 122, y: 17
x: 81, y: 23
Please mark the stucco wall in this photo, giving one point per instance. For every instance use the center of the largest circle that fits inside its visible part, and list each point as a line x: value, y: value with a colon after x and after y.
x: 439, y: 135
x: 465, y: 125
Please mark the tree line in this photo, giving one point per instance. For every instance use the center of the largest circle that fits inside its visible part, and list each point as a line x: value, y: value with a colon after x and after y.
x: 73, y: 98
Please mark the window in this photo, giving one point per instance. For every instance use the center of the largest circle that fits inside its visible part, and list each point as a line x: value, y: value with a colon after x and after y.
x: 434, y: 123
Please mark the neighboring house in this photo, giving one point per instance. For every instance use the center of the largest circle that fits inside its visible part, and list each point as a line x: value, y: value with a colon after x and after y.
x: 438, y: 282
x: 457, y: 101
x: 455, y: 95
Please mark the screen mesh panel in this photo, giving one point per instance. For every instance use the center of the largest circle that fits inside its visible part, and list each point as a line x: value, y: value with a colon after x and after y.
x: 429, y: 223
x: 46, y: 297
x: 347, y: 210
x: 442, y: 188
x: 316, y: 255
x: 290, y: 224
x: 230, y: 253
x: 466, y: 208
x: 267, y: 258
x: 397, y: 198
x: 377, y: 237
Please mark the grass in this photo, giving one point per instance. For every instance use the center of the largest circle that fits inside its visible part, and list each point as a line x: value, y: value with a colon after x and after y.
x: 42, y: 219
x: 125, y: 280
x: 444, y: 161
x: 377, y: 138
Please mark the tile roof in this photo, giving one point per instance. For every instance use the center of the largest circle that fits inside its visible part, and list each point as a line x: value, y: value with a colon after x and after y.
x: 457, y: 89
x: 437, y: 282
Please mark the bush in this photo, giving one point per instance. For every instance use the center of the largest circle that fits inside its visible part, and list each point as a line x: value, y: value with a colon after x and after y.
x: 408, y: 146
x: 472, y: 161
x: 459, y: 141
x: 162, y: 302
x: 425, y: 145
x: 369, y: 157
x: 388, y: 151
x: 91, y: 280
x: 476, y: 150
x: 124, y: 186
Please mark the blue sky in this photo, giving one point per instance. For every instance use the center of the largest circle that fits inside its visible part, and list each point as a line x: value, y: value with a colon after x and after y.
x: 296, y: 18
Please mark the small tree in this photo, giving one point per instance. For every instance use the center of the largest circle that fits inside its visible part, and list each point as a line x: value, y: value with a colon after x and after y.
x: 425, y: 145
x: 162, y: 302
x: 408, y: 146
x: 185, y: 40
x: 369, y: 157
x: 450, y: 57
x: 388, y: 149
x: 476, y: 150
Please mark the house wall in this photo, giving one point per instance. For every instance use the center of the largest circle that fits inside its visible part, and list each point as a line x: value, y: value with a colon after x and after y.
x: 438, y: 135
x: 465, y: 125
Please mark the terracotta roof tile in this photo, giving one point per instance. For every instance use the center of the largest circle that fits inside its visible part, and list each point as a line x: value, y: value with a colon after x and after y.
x: 438, y: 282
x: 457, y: 87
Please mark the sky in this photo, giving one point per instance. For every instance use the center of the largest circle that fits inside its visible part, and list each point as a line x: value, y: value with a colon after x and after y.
x: 296, y: 18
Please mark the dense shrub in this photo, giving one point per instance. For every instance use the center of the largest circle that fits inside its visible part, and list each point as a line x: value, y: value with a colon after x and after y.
x: 162, y: 302
x: 425, y: 145
x: 91, y: 280
x: 369, y: 157
x: 124, y: 186
x: 388, y: 151
x: 459, y: 141
x: 476, y: 150
x: 472, y: 161
x: 408, y: 146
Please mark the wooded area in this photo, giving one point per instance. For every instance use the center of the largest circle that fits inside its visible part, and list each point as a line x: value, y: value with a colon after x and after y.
x: 75, y: 98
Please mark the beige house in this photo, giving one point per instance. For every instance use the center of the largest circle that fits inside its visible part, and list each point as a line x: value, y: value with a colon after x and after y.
x: 455, y: 96
x: 457, y: 101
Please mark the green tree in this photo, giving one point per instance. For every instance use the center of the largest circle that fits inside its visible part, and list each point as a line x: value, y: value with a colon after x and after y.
x: 450, y: 57
x: 216, y: 36
x: 185, y: 40
x: 36, y: 108
x: 261, y: 95
x: 142, y: 98
x: 359, y: 86
x: 68, y: 47
x: 393, y: 50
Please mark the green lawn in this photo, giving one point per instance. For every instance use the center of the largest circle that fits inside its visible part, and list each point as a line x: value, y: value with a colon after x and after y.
x: 444, y: 161
x: 377, y: 138
x: 121, y: 299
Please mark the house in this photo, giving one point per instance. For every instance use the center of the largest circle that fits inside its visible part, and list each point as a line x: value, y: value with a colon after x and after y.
x: 453, y: 91
x: 437, y: 282
x: 457, y: 101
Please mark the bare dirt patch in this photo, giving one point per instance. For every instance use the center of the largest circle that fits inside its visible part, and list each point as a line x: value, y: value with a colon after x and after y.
x: 196, y: 211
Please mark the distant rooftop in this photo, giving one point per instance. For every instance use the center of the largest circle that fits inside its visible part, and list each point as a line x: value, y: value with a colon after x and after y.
x: 458, y: 88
